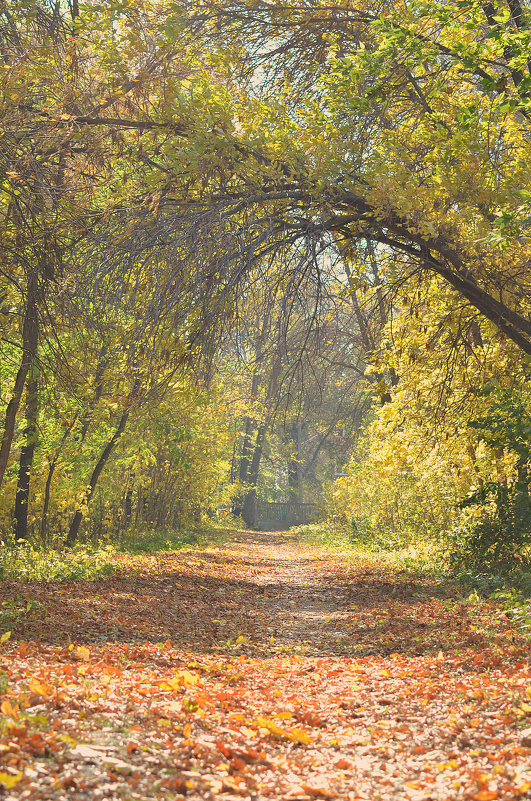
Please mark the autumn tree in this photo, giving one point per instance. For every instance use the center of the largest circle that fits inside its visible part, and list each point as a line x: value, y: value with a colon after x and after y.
x: 91, y: 91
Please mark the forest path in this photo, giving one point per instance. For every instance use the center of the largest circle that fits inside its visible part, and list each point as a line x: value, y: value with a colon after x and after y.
x: 261, y: 669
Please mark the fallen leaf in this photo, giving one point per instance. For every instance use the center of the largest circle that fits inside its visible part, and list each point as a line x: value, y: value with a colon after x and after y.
x: 81, y: 653
x: 10, y: 780
x: 40, y: 688
x: 9, y: 709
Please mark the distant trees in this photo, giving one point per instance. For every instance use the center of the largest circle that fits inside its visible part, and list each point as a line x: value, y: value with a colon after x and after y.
x: 296, y: 361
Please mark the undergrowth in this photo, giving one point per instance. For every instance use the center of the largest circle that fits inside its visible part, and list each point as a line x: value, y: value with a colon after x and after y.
x: 153, y: 541
x: 30, y: 562
x: 423, y: 557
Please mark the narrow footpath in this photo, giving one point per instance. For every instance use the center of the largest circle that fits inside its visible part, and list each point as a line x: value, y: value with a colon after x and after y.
x: 261, y: 669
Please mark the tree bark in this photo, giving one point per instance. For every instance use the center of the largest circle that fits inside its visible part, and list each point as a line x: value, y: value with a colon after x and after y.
x: 27, y: 453
x: 295, y: 472
x: 49, y: 479
x: 249, y: 501
x: 30, y: 339
x: 245, y: 457
x: 100, y: 465
x: 98, y: 391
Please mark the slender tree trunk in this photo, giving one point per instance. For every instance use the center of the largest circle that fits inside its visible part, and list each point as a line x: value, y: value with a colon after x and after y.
x: 27, y: 453
x: 46, y: 502
x: 49, y: 479
x: 472, y: 455
x: 379, y: 294
x: 30, y: 339
x: 249, y: 501
x: 295, y: 472
x: 98, y: 391
x: 367, y: 338
x: 100, y: 465
x: 233, y: 462
x: 246, y: 453
x: 522, y: 468
x: 128, y: 508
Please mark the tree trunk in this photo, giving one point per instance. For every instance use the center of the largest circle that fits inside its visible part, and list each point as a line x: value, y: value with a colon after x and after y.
x: 98, y: 391
x: 246, y: 452
x: 100, y: 465
x: 249, y: 501
x: 30, y: 339
x: 295, y: 471
x: 128, y: 508
x: 49, y: 478
x: 27, y: 453
x: 245, y: 458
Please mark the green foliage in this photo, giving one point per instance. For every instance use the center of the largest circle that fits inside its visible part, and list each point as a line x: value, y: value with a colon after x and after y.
x: 516, y: 607
x: 507, y: 423
x: 327, y: 535
x: 152, y: 541
x: 510, y: 591
x: 497, y: 531
x: 28, y: 563
x: 390, y: 498
x: 421, y: 556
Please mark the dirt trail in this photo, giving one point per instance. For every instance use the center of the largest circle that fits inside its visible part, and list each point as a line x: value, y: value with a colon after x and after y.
x: 297, y: 591
x: 258, y: 670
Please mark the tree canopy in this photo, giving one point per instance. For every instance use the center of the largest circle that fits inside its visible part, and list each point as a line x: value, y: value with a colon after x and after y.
x: 280, y: 210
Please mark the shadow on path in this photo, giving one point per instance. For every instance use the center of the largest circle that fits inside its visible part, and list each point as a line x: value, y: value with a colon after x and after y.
x: 260, y: 594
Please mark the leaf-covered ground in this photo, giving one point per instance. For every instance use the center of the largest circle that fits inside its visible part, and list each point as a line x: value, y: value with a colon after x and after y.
x: 260, y: 670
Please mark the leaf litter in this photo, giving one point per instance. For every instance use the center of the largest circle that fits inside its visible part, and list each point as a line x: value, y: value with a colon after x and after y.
x: 262, y: 670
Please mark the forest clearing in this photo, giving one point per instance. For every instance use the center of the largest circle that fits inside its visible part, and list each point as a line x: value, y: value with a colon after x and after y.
x: 263, y: 669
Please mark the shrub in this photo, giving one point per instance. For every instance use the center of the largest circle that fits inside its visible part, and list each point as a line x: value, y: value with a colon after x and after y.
x: 497, y: 529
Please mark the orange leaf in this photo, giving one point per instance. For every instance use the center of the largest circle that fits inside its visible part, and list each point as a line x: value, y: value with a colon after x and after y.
x: 82, y: 653
x: 9, y: 709
x: 111, y: 670
x: 343, y: 764
x: 486, y: 795
x: 40, y: 688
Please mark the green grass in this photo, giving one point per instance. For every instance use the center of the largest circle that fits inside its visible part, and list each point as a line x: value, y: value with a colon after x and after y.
x: 154, y: 541
x: 416, y: 557
x: 28, y: 562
